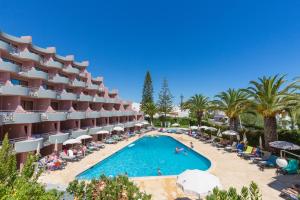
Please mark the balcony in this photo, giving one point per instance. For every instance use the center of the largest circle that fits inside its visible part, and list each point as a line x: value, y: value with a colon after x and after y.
x: 99, y: 99
x: 59, y: 138
x: 42, y: 93
x: 70, y: 69
x: 18, y: 117
x: 27, y: 55
x: 78, y: 132
x: 53, y: 64
x: 5, y: 46
x: 108, y: 127
x: 13, y: 90
x: 64, y: 95
x: 128, y: 113
x: 93, y: 87
x: 84, y: 97
x: 53, y: 116
x: 76, y: 83
x: 58, y: 79
x: 28, y: 145
x: 9, y: 67
x: 76, y: 115
x: 93, y: 114
x: 129, y: 124
x: 104, y: 113
x: 94, y: 130
x: 33, y: 73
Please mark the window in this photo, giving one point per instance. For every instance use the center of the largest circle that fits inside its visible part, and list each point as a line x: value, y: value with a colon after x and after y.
x: 54, y: 105
x: 27, y: 105
x: 19, y: 82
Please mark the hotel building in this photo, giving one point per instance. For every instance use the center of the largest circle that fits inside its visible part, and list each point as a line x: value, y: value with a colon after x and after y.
x: 46, y: 99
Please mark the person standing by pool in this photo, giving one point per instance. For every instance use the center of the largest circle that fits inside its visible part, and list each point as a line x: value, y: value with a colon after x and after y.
x: 192, y: 145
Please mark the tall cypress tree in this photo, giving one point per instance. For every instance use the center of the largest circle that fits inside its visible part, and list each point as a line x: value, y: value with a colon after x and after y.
x: 165, y: 101
x: 147, y: 97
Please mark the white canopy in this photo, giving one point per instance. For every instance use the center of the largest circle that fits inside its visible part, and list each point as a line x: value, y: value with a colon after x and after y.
x: 284, y: 145
x: 175, y: 125
x: 245, y: 138
x: 208, y: 128
x: 72, y: 141
x: 103, y: 132
x: 118, y: 128
x: 194, y: 127
x: 197, y: 182
x: 230, y: 132
x: 145, y: 122
x: 84, y: 137
x: 139, y: 124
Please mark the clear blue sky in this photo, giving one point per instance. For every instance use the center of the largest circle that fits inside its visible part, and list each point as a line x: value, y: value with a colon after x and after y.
x: 199, y: 46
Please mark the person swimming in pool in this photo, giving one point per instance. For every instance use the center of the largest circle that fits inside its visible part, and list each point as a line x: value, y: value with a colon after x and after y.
x: 178, y: 150
x: 159, y: 172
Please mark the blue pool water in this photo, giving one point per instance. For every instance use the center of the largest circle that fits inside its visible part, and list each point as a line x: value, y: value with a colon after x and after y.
x: 144, y: 156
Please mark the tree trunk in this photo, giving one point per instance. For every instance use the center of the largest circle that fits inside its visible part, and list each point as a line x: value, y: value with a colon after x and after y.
x: 270, y: 132
x: 199, y: 118
x: 234, y: 123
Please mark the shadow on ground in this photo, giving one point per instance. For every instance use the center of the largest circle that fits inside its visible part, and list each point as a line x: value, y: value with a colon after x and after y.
x: 284, y: 181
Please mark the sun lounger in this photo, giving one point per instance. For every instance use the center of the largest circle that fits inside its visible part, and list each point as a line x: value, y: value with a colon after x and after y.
x: 264, y: 157
x: 65, y: 157
x: 292, y: 192
x: 229, y: 148
x: 247, y: 151
x: 291, y: 168
x: 255, y: 153
x: 270, y: 163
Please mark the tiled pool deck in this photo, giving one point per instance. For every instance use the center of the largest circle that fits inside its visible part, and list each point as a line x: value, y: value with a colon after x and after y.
x: 232, y: 171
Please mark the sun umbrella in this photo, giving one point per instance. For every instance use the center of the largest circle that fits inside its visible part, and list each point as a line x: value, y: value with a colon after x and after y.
x: 197, y: 182
x: 194, y: 127
x: 145, y: 122
x: 103, y: 132
x: 118, y: 128
x: 38, y: 148
x: 245, y: 138
x: 219, y: 134
x: 208, y: 128
x: 284, y: 145
x: 175, y: 125
x: 230, y: 133
x: 84, y: 137
x: 260, y: 143
x: 56, y: 146
x: 139, y: 124
x: 72, y: 141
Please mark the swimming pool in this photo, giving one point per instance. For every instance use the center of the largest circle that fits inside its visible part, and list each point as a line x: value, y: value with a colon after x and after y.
x: 144, y: 156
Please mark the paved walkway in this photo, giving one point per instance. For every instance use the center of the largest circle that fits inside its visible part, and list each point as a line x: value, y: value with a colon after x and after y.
x: 232, y: 171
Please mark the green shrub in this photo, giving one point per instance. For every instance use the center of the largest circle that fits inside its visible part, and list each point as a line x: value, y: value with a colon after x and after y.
x: 251, y: 193
x: 117, y: 188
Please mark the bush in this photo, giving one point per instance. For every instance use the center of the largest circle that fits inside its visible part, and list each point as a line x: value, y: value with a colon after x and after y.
x: 251, y: 193
x: 117, y: 188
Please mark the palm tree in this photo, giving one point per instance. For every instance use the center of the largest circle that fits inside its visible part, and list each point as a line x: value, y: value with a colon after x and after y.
x: 269, y: 97
x: 233, y: 103
x: 150, y: 109
x: 197, y: 105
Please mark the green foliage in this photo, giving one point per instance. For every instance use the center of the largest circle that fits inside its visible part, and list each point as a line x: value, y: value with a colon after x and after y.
x: 251, y: 193
x: 150, y: 109
x: 197, y: 105
x: 165, y: 101
x: 16, y: 185
x: 147, y: 96
x: 116, y: 188
x: 269, y: 96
